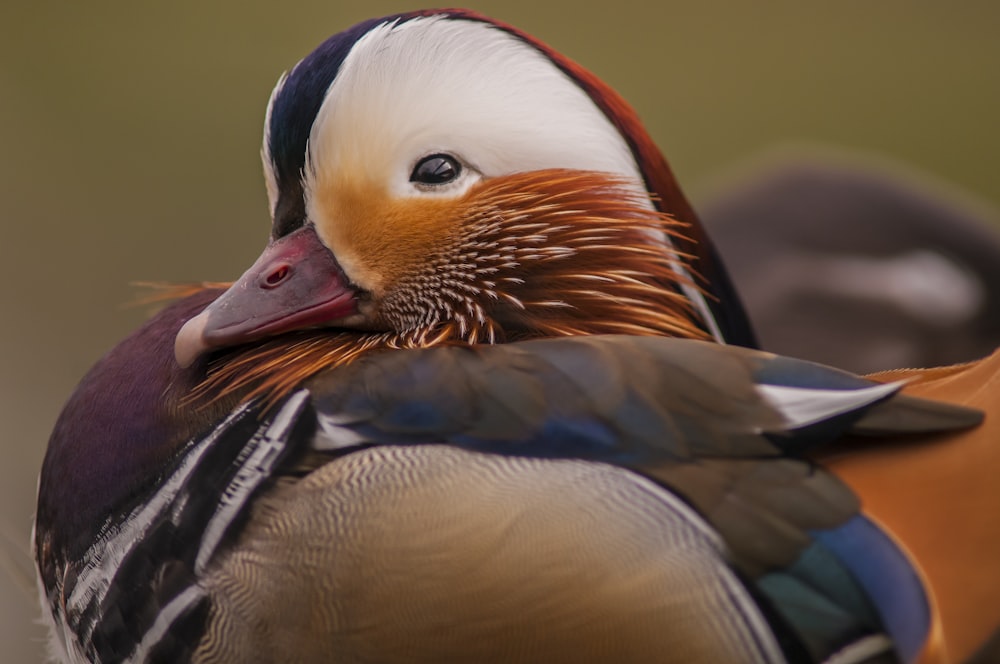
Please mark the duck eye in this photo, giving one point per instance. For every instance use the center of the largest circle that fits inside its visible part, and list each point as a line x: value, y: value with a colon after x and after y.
x: 436, y: 169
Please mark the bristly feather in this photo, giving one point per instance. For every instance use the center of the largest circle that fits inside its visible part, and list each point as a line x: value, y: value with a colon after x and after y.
x: 542, y: 254
x: 162, y: 292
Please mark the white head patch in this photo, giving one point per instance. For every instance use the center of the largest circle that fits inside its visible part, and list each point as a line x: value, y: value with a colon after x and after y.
x: 465, y: 88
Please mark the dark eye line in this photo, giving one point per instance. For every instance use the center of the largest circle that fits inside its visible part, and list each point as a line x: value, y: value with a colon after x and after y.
x: 436, y: 169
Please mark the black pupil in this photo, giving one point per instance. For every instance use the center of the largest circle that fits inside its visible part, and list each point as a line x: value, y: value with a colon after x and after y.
x: 435, y: 169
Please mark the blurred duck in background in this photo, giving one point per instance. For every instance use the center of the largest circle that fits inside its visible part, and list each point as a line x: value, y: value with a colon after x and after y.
x: 857, y: 262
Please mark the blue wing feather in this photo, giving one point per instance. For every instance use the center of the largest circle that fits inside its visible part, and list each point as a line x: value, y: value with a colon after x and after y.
x: 887, y: 577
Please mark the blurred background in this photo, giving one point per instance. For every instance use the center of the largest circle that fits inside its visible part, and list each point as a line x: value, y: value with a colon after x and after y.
x: 129, y: 139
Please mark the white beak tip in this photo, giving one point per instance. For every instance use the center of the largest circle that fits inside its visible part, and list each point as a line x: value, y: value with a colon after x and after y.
x: 189, y: 343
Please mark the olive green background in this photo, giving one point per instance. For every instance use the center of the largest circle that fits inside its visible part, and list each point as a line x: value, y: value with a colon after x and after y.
x: 129, y: 138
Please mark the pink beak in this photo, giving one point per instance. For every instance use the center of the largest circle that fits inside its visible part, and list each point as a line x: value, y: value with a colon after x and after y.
x: 296, y: 283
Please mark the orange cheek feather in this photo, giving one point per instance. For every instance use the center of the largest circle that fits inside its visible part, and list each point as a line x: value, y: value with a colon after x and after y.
x: 378, y: 239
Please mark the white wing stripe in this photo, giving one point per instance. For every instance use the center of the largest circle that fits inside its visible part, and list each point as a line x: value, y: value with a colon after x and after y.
x: 802, y: 406
x: 262, y: 452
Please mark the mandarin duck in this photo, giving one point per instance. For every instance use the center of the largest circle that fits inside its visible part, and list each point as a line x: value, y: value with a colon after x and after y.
x: 470, y: 404
x: 819, y: 239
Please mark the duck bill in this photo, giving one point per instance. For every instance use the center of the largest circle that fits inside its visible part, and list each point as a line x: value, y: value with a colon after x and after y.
x: 296, y: 283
